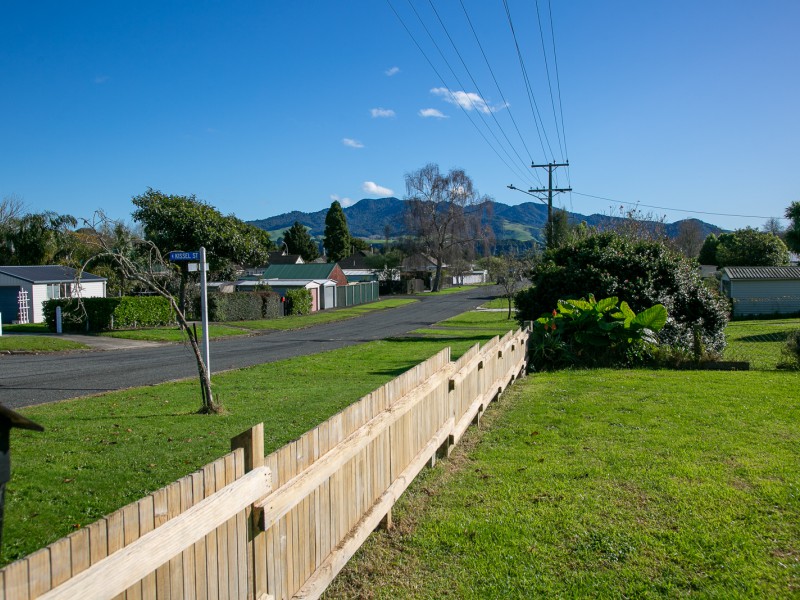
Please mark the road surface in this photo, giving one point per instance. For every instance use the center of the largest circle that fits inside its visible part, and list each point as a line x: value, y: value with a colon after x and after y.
x: 26, y: 380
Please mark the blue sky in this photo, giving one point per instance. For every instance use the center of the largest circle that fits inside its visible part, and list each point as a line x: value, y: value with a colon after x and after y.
x: 260, y: 108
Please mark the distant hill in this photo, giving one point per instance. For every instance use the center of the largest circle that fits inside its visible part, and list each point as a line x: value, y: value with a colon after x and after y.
x: 368, y: 219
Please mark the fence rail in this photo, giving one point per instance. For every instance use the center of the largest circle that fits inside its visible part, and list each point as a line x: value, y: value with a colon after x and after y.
x: 282, y: 525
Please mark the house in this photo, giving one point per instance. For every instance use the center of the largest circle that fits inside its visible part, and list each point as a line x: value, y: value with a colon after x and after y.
x: 762, y: 290
x: 323, y: 291
x: 356, y: 268
x: 307, y: 271
x: 39, y: 283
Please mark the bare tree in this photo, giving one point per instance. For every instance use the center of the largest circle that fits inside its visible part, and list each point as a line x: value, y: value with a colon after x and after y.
x: 774, y: 226
x: 633, y: 224
x: 690, y: 238
x: 510, y: 272
x: 141, y: 261
x: 445, y: 214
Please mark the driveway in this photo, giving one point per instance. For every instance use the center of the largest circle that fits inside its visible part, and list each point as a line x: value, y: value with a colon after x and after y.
x: 26, y: 380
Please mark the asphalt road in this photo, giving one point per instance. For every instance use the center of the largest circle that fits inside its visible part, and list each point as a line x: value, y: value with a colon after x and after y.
x: 26, y: 380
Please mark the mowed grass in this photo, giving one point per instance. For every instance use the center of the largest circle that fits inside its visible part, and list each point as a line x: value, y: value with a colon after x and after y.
x: 37, y: 343
x: 759, y: 341
x: 605, y: 484
x: 325, y: 316
x: 99, y: 453
x: 173, y: 334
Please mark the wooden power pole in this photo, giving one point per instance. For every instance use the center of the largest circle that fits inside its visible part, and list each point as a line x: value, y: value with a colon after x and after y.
x: 550, y: 190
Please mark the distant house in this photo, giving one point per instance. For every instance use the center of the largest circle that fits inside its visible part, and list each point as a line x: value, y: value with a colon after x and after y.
x: 283, y: 258
x: 43, y: 282
x: 323, y: 291
x: 307, y: 271
x: 355, y: 268
x: 762, y: 290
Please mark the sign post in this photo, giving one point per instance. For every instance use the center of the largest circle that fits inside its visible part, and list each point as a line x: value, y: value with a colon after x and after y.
x: 204, y: 310
x: 194, y: 257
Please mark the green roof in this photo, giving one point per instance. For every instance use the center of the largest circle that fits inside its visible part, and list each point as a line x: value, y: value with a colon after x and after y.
x: 305, y: 271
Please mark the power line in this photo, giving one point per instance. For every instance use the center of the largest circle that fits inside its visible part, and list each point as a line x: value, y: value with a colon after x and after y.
x: 497, y: 84
x: 475, y: 83
x: 435, y: 70
x: 549, y: 84
x: 558, y: 83
x: 531, y: 97
x: 698, y: 212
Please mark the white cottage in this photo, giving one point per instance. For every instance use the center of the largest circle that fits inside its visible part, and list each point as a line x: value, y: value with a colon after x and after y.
x: 762, y: 290
x: 40, y: 283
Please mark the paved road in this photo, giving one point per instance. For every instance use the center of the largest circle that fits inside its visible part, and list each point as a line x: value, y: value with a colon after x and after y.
x: 36, y: 379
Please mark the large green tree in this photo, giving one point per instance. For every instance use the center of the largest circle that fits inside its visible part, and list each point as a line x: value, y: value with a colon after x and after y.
x: 337, y: 234
x: 792, y: 233
x: 298, y: 241
x: 746, y: 247
x: 38, y: 239
x: 186, y: 223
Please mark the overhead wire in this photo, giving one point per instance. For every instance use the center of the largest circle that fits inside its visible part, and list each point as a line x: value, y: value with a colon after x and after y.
x: 497, y: 84
x: 549, y: 83
x: 681, y: 210
x: 537, y: 117
x: 478, y: 89
x: 444, y: 83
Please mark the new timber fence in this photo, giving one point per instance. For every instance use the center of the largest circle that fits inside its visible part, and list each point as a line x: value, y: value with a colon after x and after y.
x: 282, y: 525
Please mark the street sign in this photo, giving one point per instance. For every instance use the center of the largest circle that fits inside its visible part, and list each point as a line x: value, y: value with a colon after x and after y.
x: 184, y: 256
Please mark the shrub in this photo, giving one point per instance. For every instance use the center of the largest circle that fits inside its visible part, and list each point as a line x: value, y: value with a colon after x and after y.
x: 642, y: 273
x: 299, y: 301
x: 592, y: 333
x: 790, y: 353
x: 102, y: 314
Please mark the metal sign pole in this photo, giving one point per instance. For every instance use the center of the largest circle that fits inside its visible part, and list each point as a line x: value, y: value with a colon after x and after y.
x: 204, y: 310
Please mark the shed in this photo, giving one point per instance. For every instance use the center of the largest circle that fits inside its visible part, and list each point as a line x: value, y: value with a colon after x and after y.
x: 762, y: 290
x: 323, y: 294
x: 308, y: 271
x: 43, y: 282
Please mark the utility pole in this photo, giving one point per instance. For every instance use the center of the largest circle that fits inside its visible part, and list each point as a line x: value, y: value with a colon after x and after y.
x: 550, y: 190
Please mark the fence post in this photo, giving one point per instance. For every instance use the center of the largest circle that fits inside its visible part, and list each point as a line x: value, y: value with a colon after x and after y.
x: 252, y: 442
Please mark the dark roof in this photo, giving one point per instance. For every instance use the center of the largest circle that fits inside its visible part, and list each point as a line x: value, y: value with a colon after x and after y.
x: 47, y: 274
x: 355, y: 261
x: 762, y: 272
x: 304, y: 271
x: 277, y: 258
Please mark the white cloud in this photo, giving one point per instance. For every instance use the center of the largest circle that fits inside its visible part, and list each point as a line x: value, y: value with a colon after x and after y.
x: 345, y: 202
x: 466, y: 100
x: 381, y: 113
x: 392, y: 71
x: 371, y: 187
x: 432, y: 112
x: 350, y: 143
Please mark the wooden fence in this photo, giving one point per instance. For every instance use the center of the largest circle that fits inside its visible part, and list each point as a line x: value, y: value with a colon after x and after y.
x: 280, y: 526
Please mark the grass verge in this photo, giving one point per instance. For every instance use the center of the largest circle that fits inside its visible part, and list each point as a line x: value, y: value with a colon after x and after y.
x: 37, y: 343
x: 173, y: 334
x: 100, y: 453
x: 605, y: 484
x: 759, y: 341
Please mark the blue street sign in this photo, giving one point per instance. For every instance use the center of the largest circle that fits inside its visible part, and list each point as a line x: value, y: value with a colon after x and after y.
x: 182, y: 256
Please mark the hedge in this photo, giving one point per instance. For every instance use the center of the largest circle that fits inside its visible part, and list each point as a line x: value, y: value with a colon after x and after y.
x: 103, y: 314
x: 244, y: 306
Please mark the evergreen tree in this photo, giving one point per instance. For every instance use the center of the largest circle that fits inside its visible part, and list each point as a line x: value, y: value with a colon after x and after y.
x: 793, y: 231
x: 299, y: 242
x: 337, y: 235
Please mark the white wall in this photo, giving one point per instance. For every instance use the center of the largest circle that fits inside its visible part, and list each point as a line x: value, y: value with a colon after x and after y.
x: 765, y: 297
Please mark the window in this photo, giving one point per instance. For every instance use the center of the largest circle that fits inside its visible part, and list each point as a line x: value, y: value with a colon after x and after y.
x: 59, y: 290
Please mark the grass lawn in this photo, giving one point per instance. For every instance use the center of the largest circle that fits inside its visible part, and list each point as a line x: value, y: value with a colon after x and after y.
x: 605, y: 484
x: 325, y: 316
x: 100, y: 453
x: 501, y: 302
x: 37, y: 343
x: 173, y: 334
x: 759, y: 341
x: 456, y: 289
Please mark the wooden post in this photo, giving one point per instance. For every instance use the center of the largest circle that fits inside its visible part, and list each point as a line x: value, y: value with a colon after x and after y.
x: 252, y: 442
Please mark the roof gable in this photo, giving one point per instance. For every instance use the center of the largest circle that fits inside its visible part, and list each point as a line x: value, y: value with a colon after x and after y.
x: 759, y: 273
x: 47, y: 273
x: 303, y: 271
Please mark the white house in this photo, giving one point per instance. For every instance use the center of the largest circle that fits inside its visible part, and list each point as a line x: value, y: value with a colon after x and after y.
x: 40, y: 283
x: 762, y: 290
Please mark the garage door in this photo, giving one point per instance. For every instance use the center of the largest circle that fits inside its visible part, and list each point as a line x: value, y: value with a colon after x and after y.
x: 9, y: 306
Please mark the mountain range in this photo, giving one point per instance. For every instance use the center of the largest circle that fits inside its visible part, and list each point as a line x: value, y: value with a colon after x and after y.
x: 373, y: 218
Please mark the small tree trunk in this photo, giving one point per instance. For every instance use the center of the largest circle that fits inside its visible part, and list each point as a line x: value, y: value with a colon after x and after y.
x: 509, y: 306
x: 437, y: 278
